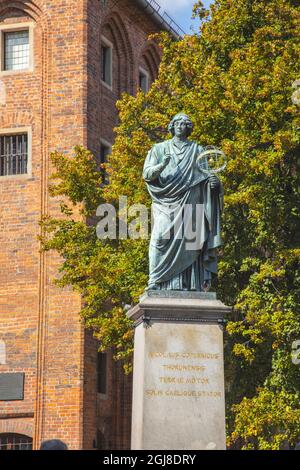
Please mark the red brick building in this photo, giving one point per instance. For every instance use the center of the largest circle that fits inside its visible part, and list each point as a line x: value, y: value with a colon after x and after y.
x: 63, y: 65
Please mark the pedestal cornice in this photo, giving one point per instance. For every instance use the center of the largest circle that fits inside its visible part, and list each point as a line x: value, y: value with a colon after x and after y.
x: 179, y: 306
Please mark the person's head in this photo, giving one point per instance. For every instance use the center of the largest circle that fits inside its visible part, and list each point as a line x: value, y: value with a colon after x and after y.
x: 181, y: 125
x: 53, y: 444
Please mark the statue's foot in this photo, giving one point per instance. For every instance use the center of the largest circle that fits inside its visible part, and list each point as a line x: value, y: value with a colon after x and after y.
x: 152, y: 287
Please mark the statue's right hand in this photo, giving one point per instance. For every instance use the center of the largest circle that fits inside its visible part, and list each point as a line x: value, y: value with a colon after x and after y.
x: 166, y: 159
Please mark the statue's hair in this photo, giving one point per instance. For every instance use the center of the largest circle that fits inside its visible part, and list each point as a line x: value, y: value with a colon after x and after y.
x: 179, y: 117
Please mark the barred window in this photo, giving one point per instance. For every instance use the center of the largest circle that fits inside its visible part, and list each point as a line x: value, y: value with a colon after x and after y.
x: 13, y: 154
x: 16, y: 50
x: 10, y: 441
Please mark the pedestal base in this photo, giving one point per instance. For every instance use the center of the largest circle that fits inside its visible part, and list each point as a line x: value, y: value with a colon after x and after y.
x: 178, y: 381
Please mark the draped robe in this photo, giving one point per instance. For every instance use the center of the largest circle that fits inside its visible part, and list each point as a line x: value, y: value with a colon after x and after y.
x: 181, y: 185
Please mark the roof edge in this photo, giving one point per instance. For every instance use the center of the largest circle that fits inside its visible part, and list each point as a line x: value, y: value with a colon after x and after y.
x: 161, y: 17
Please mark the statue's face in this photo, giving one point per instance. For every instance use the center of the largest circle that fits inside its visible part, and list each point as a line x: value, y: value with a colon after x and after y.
x: 180, y: 128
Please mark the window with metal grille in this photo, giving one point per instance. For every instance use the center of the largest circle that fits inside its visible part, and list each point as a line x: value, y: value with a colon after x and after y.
x: 13, y: 154
x: 16, y: 50
x: 11, y: 441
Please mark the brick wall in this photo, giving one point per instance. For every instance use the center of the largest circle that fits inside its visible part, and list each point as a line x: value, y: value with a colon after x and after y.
x: 64, y: 104
x: 59, y: 412
x: 127, y: 28
x: 20, y: 210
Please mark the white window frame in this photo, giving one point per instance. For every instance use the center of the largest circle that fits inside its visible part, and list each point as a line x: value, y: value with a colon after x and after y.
x: 10, y: 28
x: 107, y: 43
x: 3, y: 360
x: 147, y: 75
x: 17, y: 131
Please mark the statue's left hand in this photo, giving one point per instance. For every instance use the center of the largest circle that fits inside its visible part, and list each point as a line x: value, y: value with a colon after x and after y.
x: 214, y: 182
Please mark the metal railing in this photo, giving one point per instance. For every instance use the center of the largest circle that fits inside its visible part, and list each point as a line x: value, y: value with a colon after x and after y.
x: 166, y: 17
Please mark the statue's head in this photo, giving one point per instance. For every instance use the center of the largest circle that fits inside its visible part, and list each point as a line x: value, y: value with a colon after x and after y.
x: 181, y: 118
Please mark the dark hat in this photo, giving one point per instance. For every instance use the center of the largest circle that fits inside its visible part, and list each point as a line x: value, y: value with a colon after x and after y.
x: 53, y: 444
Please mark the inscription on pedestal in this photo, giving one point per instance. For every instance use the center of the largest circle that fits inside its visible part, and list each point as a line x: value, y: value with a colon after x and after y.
x: 182, y: 375
x: 181, y: 397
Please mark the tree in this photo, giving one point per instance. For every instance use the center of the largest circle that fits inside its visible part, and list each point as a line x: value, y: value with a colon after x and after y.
x: 235, y: 81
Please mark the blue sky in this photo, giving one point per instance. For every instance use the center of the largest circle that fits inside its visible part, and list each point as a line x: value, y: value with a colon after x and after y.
x: 181, y: 12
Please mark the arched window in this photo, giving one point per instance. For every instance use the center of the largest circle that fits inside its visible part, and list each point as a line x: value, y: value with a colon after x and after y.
x: 148, y: 67
x: 116, y: 56
x: 11, y: 441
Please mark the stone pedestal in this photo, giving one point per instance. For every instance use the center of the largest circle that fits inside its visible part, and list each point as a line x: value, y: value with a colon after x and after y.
x: 178, y: 380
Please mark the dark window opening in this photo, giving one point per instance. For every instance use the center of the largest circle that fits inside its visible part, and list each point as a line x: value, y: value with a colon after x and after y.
x: 101, y: 441
x: 102, y: 373
x: 106, y: 62
x: 104, y: 152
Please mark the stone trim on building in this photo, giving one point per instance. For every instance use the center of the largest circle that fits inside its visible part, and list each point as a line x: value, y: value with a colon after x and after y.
x: 17, y: 426
x: 11, y: 27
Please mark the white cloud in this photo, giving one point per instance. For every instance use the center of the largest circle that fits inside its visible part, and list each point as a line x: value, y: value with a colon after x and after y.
x: 181, y: 12
x: 176, y: 5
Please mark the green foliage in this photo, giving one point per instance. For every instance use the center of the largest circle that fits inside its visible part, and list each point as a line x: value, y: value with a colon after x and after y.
x: 269, y: 421
x: 234, y: 79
